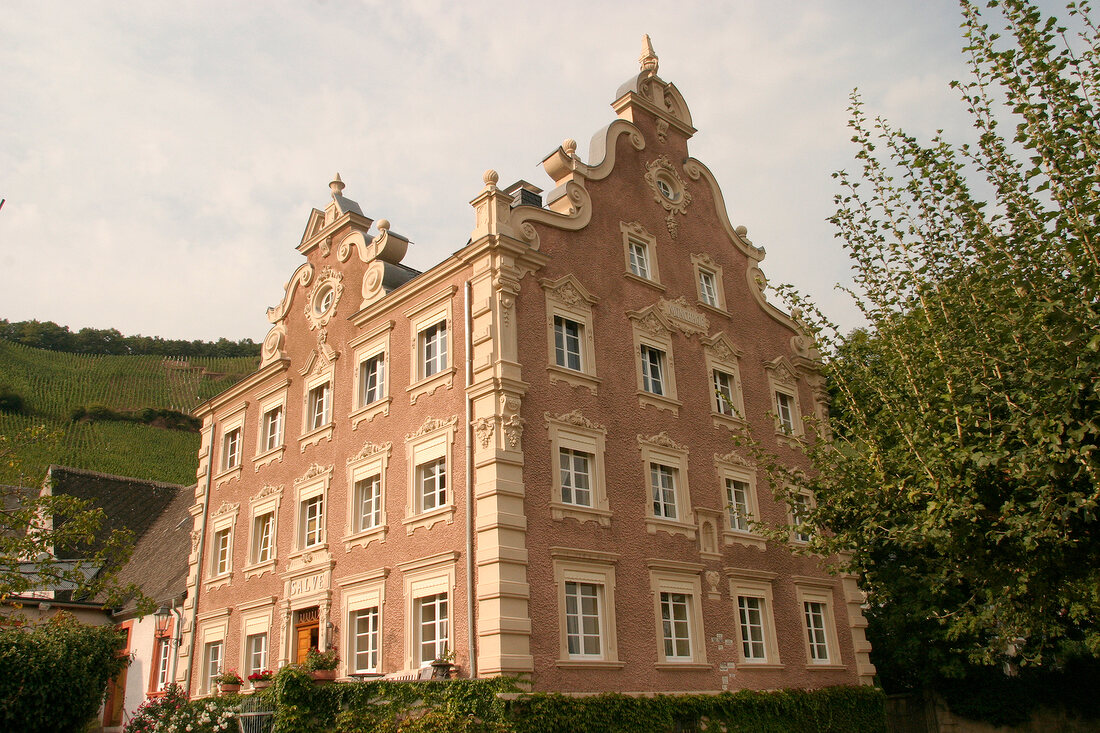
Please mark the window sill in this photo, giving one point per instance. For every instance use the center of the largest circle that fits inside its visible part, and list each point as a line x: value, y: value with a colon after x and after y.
x: 366, y: 536
x: 218, y: 581
x: 560, y: 510
x: 761, y: 666
x: 315, y: 436
x: 306, y: 553
x: 733, y: 422
x: 718, y: 309
x: 429, y: 519
x: 730, y: 536
x: 692, y: 665
x: 588, y: 664
x: 661, y: 402
x: 257, y: 570
x: 573, y: 377
x: 271, y: 456
x: 826, y: 667
x: 672, y: 526
x: 431, y: 384
x: 227, y: 475
x: 366, y: 413
x: 791, y: 440
x: 644, y: 281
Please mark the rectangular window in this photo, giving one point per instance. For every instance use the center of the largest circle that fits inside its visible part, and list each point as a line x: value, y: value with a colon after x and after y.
x: 662, y: 479
x: 784, y: 409
x: 163, y: 654
x: 723, y: 393
x: 675, y: 611
x: 212, y: 665
x: 750, y: 609
x: 320, y: 406
x: 432, y: 483
x: 576, y: 478
x: 372, y: 376
x: 567, y: 343
x: 273, y: 428
x: 639, y: 259
x: 653, y: 369
x: 800, y: 512
x: 311, y: 521
x: 708, y: 292
x: 368, y: 503
x: 263, y: 540
x: 582, y: 619
x: 364, y: 650
x: 432, y: 625
x: 231, y: 449
x: 433, y: 349
x: 221, y: 552
x: 737, y: 504
x: 256, y: 649
x: 815, y: 631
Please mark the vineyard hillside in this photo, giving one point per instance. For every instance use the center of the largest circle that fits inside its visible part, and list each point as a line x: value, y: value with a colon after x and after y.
x: 53, y: 385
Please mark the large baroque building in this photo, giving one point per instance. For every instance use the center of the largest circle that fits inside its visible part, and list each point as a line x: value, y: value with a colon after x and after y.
x: 523, y: 456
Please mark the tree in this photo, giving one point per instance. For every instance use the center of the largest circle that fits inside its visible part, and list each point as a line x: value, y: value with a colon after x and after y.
x: 963, y: 478
x: 59, y: 542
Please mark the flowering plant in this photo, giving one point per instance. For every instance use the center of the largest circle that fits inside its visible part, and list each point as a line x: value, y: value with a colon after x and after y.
x: 172, y: 713
x: 263, y: 676
x: 228, y: 678
x: 316, y: 659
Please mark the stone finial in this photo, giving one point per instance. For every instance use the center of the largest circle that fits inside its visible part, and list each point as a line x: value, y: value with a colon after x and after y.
x: 569, y: 146
x: 491, y: 177
x: 648, y: 59
x: 336, y: 185
x: 383, y: 224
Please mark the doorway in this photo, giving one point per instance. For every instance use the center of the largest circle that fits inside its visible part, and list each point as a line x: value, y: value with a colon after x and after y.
x: 307, y: 632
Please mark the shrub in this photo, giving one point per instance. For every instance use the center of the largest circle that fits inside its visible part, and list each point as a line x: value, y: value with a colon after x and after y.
x: 56, y: 673
x: 10, y: 401
x: 173, y: 713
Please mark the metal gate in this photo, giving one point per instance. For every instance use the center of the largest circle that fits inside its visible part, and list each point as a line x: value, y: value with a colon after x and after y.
x: 256, y: 715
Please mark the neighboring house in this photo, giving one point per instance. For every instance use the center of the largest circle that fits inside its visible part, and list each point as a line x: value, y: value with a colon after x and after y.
x: 524, y: 456
x: 158, y: 515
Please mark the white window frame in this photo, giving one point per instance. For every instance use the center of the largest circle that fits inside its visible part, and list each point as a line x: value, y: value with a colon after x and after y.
x: 441, y: 627
x: 432, y: 442
x: 574, y: 432
x: 425, y: 578
x: 635, y: 235
x: 364, y: 592
x: 311, y: 521
x: 670, y: 577
x: 375, y: 344
x: 313, y: 484
x: 222, y: 552
x: 371, y: 461
x: 271, y: 399
x: 747, y: 583
x: 163, y: 653
x: 721, y: 355
x: 250, y: 666
x: 701, y: 264
x: 212, y: 664
x: 428, y: 314
x: 819, y: 591
x: 319, y: 406
x: 593, y: 568
x: 223, y: 523
x: 265, y: 503
x: 230, y: 422
x: 783, y: 380
x: 732, y: 467
x: 257, y: 619
x: 568, y: 299
x: 661, y: 450
x: 231, y: 448
x: 211, y: 628
x: 652, y: 331
x: 796, y: 516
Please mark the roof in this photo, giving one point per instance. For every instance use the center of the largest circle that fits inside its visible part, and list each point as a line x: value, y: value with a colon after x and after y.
x: 159, y: 562
x: 128, y: 503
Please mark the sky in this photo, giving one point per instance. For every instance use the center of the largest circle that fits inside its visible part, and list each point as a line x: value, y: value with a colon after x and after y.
x: 159, y: 161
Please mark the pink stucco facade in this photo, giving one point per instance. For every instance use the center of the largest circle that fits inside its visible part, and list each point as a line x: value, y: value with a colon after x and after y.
x: 519, y: 456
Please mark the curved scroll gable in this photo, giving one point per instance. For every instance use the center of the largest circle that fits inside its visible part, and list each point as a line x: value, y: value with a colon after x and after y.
x: 580, y: 213
x: 738, y: 235
x: 302, y: 276
x: 565, y: 165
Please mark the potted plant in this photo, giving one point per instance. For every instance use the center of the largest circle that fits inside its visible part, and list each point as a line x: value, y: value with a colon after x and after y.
x: 321, y: 665
x: 443, y: 664
x: 228, y: 681
x: 261, y: 679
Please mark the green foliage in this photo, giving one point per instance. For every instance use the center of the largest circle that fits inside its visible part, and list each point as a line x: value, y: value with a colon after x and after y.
x: 964, y: 478
x: 476, y: 706
x: 10, y: 401
x: 173, y: 713
x: 321, y: 660
x: 152, y: 391
x: 49, y: 335
x: 55, y: 674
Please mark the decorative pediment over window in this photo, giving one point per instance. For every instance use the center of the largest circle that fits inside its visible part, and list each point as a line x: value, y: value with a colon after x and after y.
x: 781, y: 371
x: 662, y: 440
x: 651, y: 320
x: 568, y: 290
x: 313, y: 471
x: 722, y: 348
